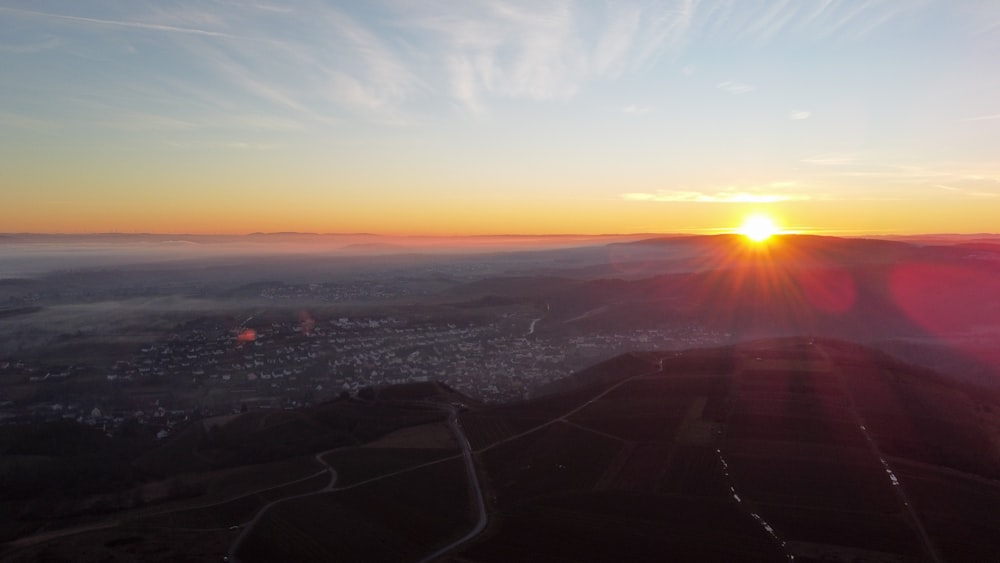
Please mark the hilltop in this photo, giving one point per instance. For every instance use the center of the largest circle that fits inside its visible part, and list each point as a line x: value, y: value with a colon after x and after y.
x: 809, y: 448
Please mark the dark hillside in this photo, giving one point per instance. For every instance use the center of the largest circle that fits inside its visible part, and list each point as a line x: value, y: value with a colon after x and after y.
x: 817, y: 449
x: 780, y: 448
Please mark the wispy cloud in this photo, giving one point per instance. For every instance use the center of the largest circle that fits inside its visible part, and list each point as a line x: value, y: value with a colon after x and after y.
x: 378, y: 79
x: 735, y: 88
x: 984, y: 118
x: 772, y: 20
x: 700, y: 197
x: 727, y: 21
x: 273, y: 8
x: 982, y: 17
x: 222, y: 145
x: 633, y: 109
x: 771, y: 193
x: 933, y: 180
x: 390, y: 60
x: 611, y: 54
x: 23, y: 121
x: 321, y: 64
x: 799, y: 115
x: 123, y: 23
x: 139, y: 121
x: 244, y: 145
x: 511, y: 52
x: 29, y: 48
x: 545, y: 51
x: 831, y: 159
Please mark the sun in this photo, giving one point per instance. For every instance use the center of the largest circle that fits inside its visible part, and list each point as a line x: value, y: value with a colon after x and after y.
x: 758, y: 228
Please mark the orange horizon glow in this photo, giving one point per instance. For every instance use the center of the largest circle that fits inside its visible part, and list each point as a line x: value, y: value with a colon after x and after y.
x: 431, y: 217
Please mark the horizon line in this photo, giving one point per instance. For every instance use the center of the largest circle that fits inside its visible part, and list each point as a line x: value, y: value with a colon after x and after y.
x: 698, y: 232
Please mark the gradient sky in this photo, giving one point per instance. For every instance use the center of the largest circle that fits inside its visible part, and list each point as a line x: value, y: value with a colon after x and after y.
x: 471, y: 117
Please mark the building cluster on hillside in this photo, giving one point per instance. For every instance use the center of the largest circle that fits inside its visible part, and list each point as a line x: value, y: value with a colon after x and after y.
x: 356, y: 291
x: 286, y: 363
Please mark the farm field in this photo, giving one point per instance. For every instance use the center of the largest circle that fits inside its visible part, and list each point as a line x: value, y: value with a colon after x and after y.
x: 131, y: 542
x: 554, y: 459
x: 594, y: 527
x: 777, y: 450
x: 355, y: 465
x: 810, y: 430
x: 872, y: 531
x: 430, y: 505
x: 639, y: 405
x: 640, y: 469
x: 233, y: 512
x: 667, y: 387
x: 959, y: 511
x: 694, y: 471
x: 632, y: 427
x: 484, y: 430
x: 860, y: 487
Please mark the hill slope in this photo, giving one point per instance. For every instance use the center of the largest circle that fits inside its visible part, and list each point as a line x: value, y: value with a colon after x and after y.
x: 812, y: 449
x: 820, y: 450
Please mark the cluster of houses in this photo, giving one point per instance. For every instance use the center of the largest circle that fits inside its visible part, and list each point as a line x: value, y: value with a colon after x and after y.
x: 345, y: 292
x: 289, y: 362
x: 307, y: 359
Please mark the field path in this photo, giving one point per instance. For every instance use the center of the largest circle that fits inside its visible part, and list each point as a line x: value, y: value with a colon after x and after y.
x: 470, y: 467
x: 248, y: 527
x: 46, y: 536
x: 897, y: 487
x: 565, y: 416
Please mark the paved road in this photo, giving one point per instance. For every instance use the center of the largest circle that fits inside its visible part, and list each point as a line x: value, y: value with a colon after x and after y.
x: 470, y: 468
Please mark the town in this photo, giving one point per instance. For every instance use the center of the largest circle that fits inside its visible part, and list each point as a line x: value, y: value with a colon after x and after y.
x: 209, y: 367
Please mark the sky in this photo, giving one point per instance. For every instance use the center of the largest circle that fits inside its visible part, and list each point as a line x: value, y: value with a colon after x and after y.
x: 453, y: 117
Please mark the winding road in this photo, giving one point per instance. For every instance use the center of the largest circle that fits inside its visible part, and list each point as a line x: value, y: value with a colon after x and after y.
x: 247, y: 528
x: 470, y: 468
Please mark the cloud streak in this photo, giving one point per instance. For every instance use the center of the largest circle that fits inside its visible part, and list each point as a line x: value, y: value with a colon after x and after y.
x: 547, y: 51
x: 123, y: 23
x: 30, y: 48
x: 394, y: 62
x: 729, y: 195
x: 735, y: 88
x: 633, y: 109
x: 831, y: 160
x: 24, y: 122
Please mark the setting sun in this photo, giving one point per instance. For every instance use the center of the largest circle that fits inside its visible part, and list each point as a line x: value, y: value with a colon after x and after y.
x: 758, y: 228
